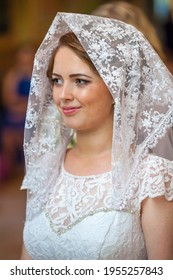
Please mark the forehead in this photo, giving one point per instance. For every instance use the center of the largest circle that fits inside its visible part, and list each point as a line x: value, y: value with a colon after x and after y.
x: 66, y: 59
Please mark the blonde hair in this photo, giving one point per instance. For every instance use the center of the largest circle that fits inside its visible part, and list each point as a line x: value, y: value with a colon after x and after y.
x: 133, y: 15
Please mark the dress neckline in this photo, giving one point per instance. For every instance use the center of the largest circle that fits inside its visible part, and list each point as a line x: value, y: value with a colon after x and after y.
x: 84, y: 176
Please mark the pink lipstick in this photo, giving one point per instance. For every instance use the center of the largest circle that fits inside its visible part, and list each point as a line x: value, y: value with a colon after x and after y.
x: 70, y: 110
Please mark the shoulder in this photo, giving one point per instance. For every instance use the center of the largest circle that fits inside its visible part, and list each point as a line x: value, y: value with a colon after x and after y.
x: 157, y: 177
x: 153, y: 178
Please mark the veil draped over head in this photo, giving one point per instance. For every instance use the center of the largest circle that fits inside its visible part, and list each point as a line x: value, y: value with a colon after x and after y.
x: 142, y: 89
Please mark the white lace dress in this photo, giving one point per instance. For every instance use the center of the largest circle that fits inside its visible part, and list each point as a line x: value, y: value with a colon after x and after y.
x: 79, y: 221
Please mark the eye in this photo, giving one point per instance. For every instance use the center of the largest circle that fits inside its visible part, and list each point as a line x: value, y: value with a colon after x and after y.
x: 81, y: 82
x: 56, y: 81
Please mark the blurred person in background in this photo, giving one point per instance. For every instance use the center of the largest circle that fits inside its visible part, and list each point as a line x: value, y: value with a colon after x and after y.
x: 135, y: 16
x: 168, y: 27
x: 15, y: 89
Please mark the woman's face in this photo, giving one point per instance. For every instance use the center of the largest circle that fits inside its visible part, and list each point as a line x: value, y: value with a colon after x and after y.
x: 81, y: 96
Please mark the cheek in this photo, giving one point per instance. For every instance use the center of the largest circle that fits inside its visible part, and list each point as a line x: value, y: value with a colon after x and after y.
x: 106, y: 101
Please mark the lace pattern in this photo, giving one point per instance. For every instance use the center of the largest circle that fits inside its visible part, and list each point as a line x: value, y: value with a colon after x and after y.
x: 142, y: 89
x: 155, y: 178
x: 76, y: 197
x: 103, y: 236
x: 73, y: 198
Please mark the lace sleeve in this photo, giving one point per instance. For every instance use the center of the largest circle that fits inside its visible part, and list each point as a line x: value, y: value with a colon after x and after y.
x: 154, y: 178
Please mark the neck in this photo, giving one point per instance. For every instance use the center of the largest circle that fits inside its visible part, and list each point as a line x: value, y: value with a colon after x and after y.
x: 95, y: 142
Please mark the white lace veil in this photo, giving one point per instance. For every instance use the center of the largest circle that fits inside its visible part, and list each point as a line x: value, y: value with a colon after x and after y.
x: 142, y: 89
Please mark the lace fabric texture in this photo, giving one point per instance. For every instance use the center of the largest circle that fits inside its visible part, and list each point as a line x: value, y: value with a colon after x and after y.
x: 102, y: 236
x: 139, y: 82
x: 78, y: 205
x: 76, y: 197
x: 69, y: 199
x: 142, y: 89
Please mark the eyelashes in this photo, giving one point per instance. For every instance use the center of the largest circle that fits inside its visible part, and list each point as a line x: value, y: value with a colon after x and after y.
x: 82, y: 81
x: 58, y: 81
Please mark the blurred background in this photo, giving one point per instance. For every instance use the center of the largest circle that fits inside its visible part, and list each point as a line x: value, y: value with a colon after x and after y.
x: 23, y: 25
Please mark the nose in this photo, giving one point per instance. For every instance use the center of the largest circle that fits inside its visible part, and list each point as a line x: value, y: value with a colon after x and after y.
x: 65, y: 92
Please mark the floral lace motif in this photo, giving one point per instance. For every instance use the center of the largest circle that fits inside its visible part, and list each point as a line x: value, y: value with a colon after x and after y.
x: 158, y: 179
x: 142, y: 89
x: 76, y: 197
x: 103, y: 236
x: 154, y: 178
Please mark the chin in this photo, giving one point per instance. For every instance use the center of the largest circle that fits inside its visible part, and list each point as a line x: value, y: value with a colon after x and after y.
x: 73, y: 126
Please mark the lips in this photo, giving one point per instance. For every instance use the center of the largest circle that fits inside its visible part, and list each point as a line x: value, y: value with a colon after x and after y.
x: 70, y: 110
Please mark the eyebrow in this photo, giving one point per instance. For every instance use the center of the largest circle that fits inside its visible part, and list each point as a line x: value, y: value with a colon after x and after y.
x: 74, y: 75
